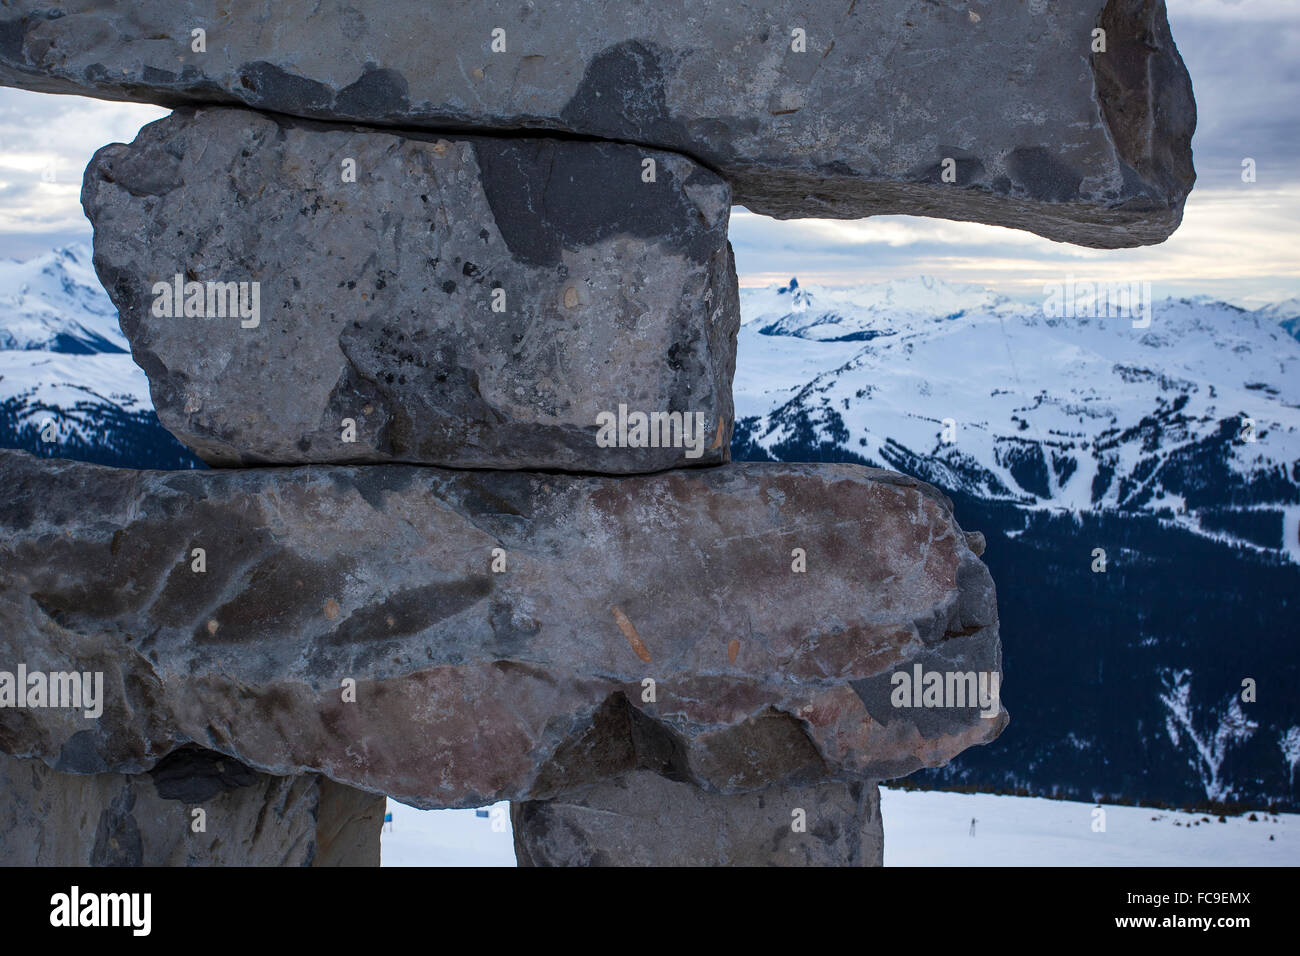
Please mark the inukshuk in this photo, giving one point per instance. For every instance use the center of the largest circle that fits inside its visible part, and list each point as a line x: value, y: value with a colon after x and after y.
x: 473, y: 533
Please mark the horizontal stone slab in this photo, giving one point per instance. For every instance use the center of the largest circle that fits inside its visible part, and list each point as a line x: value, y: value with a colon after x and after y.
x: 453, y: 638
x: 478, y: 303
x: 195, y: 808
x: 1005, y: 113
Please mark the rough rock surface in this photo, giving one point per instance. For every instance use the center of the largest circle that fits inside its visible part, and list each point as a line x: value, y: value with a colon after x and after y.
x: 1045, y: 134
x: 375, y: 300
x: 473, y: 685
x: 643, y: 819
x: 49, y: 818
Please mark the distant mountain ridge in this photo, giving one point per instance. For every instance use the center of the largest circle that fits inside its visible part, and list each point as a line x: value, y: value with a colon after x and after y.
x: 860, y: 313
x: 1195, y: 419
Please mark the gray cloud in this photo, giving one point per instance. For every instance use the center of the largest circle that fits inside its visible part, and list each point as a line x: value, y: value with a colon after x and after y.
x: 45, y: 143
x: 1246, y: 77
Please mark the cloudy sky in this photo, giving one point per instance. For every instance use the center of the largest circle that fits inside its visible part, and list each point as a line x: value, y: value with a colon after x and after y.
x: 1238, y: 241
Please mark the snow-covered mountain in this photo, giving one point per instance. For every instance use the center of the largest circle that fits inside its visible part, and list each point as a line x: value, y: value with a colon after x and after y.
x: 1195, y: 419
x: 55, y: 303
x: 68, y: 385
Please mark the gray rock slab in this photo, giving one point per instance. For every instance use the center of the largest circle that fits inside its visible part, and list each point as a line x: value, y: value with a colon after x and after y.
x: 644, y: 819
x: 477, y: 303
x: 195, y: 808
x: 348, y: 621
x: 1044, y: 134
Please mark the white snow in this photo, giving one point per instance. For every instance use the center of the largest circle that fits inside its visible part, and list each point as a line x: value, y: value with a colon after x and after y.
x: 1291, y: 532
x: 446, y: 837
x: 932, y: 828
x: 1205, y: 752
x: 55, y: 293
x: 61, y: 380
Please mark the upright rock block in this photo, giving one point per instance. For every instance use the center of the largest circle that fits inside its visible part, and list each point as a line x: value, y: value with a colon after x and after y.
x: 195, y: 808
x: 453, y: 638
x: 644, y: 819
x: 469, y: 302
x: 1016, y: 114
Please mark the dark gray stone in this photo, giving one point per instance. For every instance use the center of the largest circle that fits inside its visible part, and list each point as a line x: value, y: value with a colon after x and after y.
x: 375, y: 301
x: 471, y: 685
x: 644, y: 819
x: 49, y: 818
x: 1044, y: 134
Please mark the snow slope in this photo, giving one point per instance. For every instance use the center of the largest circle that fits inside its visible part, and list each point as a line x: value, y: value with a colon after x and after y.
x: 931, y: 828
x: 60, y: 379
x: 446, y: 837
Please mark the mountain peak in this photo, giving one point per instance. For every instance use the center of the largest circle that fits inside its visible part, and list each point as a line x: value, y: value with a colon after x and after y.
x: 1281, y: 311
x: 54, y: 302
x: 800, y: 298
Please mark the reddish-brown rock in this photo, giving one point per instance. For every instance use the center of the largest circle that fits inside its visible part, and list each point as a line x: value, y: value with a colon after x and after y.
x: 472, y: 684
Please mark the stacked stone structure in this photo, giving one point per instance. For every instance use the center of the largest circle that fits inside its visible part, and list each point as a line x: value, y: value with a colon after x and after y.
x: 444, y: 295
